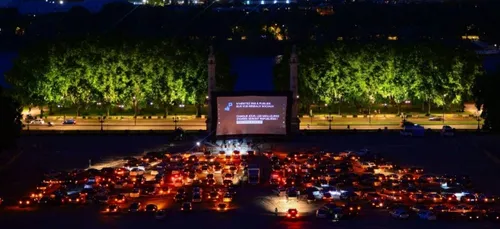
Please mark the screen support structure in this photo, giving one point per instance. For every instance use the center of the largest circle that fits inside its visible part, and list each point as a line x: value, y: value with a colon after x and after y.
x: 211, y: 88
x: 295, y: 121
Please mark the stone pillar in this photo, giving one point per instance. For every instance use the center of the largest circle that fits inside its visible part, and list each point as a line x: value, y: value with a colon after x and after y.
x: 295, y: 121
x: 211, y: 87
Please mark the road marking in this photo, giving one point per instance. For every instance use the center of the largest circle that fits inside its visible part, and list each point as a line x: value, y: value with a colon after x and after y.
x: 495, y: 159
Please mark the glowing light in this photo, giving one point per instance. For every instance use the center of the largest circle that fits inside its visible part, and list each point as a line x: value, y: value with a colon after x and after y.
x: 248, y: 2
x: 198, y: 143
x: 61, y: 2
x: 275, y: 2
x: 262, y: 2
x: 287, y: 1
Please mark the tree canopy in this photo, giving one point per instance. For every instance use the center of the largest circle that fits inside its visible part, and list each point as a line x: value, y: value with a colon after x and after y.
x: 363, y: 74
x: 115, y: 73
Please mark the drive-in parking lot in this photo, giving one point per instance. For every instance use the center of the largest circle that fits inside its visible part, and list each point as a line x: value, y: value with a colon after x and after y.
x: 253, y: 206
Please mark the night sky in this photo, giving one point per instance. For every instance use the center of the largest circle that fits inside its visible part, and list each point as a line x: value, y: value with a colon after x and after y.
x: 254, y: 73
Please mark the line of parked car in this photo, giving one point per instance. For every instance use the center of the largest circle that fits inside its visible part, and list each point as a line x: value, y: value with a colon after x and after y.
x: 350, y: 181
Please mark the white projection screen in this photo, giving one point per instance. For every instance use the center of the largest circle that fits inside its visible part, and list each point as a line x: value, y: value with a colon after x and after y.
x: 251, y: 115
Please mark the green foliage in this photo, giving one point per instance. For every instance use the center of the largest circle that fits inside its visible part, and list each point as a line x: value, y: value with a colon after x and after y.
x: 115, y: 72
x: 364, y: 74
x: 10, y: 120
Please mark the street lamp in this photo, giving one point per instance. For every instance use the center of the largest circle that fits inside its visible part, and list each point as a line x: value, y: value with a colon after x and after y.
x: 330, y: 120
x: 444, y: 103
x: 135, y: 110
x: 372, y: 99
x: 175, y: 119
x: 478, y: 118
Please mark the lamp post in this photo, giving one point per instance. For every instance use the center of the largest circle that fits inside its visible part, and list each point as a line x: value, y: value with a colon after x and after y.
x: 135, y: 110
x: 444, y: 103
x: 330, y: 119
x: 175, y: 119
x: 372, y: 100
x: 478, y: 118
x: 101, y: 120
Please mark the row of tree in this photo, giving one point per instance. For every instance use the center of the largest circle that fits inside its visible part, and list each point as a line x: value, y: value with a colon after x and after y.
x: 364, y: 74
x: 114, y: 73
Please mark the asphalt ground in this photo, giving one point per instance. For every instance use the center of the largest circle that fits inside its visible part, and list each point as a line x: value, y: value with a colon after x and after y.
x: 469, y: 154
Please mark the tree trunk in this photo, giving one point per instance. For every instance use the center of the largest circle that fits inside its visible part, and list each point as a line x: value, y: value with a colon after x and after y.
x: 340, y: 104
x: 428, y: 107
x: 41, y: 111
x: 198, y: 110
x: 423, y: 106
x: 165, y: 112
x: 107, y: 110
x: 50, y: 110
x: 399, y: 108
x: 77, y: 110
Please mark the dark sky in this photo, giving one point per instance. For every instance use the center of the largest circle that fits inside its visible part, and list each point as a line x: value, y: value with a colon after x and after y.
x: 254, y: 73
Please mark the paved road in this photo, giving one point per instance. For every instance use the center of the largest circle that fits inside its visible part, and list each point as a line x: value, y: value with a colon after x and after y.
x: 200, y: 125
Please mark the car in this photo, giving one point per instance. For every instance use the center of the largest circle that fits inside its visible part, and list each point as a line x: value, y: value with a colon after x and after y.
x: 37, y: 122
x: 419, y: 198
x: 222, y: 207
x: 213, y: 195
x: 436, y: 118
x: 25, y: 202
x: 472, y: 216
x: 135, y: 207
x: 440, y: 208
x: 197, y: 190
x: 351, y: 210
x: 292, y: 213
x: 322, y: 213
x: 69, y: 122
x: 399, y: 213
x: 377, y: 203
x: 484, y: 198
x: 186, y: 206
x: 468, y: 198
x: 428, y: 215
x: 211, y: 182
x: 227, y: 197
x: 120, y: 198
x: 75, y: 198
x: 151, y: 208
x: 179, y: 197
x: 160, y: 214
x: 196, y: 198
x: 447, y: 131
x: 112, y: 208
x: 135, y: 193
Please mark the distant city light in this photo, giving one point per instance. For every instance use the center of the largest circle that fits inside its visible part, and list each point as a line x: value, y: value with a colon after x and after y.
x: 248, y: 2
x: 61, y: 2
x: 275, y: 1
x: 287, y: 1
x: 262, y: 2
x: 181, y: 105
